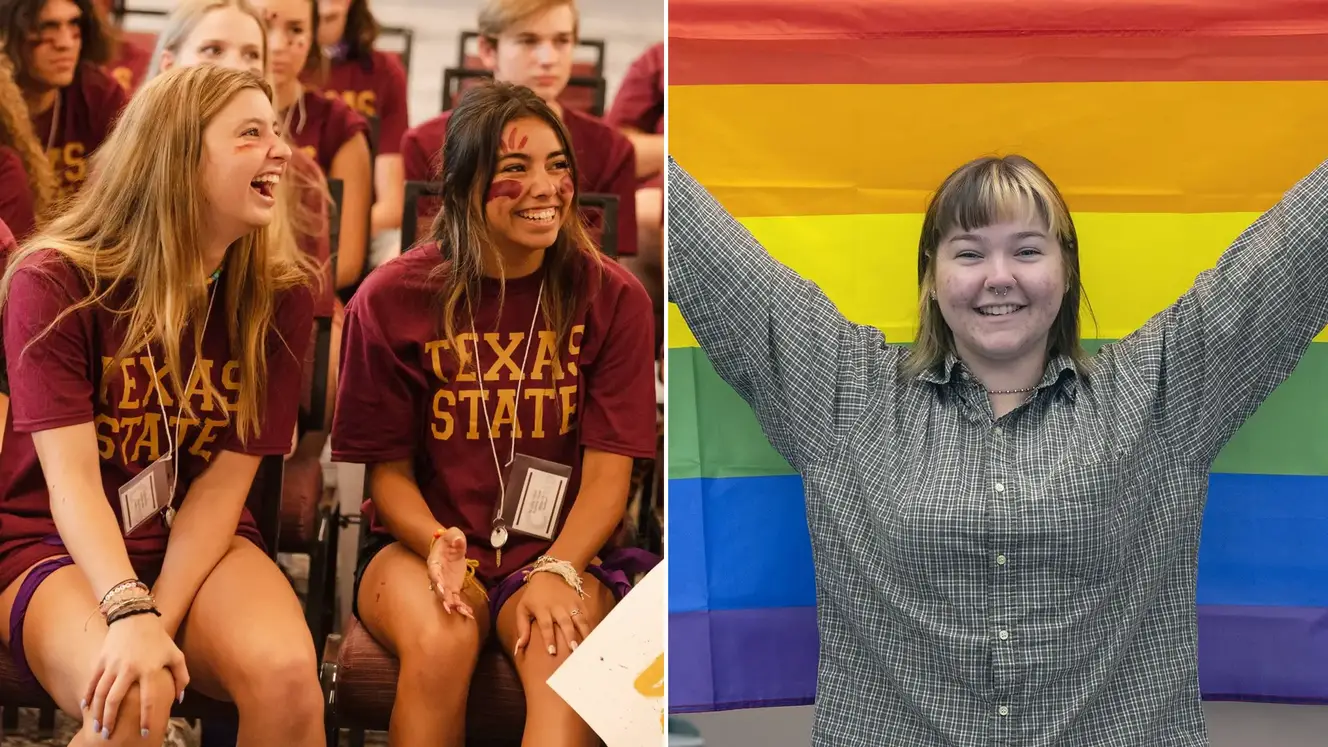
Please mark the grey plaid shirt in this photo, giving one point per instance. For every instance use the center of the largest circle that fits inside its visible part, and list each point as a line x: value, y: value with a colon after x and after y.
x: 1028, y: 580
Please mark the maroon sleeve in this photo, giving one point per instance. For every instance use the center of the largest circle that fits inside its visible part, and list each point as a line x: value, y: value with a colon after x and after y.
x: 287, y: 347
x: 15, y: 194
x: 618, y: 411
x: 393, y: 114
x: 106, y: 98
x: 620, y: 179
x: 639, y: 102
x: 344, y: 123
x: 50, y: 382
x: 414, y: 158
x: 380, y: 394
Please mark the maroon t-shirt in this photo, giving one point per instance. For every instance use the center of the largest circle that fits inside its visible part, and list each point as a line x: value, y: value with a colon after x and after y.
x: 375, y: 87
x: 401, y: 395
x: 605, y: 159
x: 130, y: 65
x: 15, y: 194
x: 639, y: 102
x: 88, y: 109
x: 318, y: 246
x: 52, y: 385
x: 326, y: 125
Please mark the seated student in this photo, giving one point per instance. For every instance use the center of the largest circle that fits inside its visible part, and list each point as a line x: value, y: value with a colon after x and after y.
x: 57, y: 48
x: 27, y: 184
x: 332, y: 133
x: 141, y: 385
x: 372, y: 83
x: 230, y: 33
x: 525, y: 348
x: 128, y: 61
x: 638, y: 112
x: 529, y: 42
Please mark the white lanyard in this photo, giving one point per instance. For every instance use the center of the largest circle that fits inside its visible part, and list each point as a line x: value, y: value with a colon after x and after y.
x: 161, y: 401
x: 499, y: 536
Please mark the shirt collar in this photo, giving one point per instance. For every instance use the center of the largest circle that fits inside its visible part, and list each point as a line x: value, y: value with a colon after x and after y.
x: 953, y: 369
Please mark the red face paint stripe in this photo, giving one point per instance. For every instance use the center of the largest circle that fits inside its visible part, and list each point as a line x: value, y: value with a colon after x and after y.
x: 509, y: 188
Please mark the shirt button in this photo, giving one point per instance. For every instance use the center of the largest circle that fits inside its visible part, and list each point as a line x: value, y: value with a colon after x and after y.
x: 1005, y: 635
x: 997, y: 432
x: 1000, y: 560
x: 1003, y: 710
x: 1000, y: 488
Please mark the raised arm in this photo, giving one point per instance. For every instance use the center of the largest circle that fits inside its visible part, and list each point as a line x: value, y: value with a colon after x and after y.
x: 1238, y: 333
x: 772, y: 335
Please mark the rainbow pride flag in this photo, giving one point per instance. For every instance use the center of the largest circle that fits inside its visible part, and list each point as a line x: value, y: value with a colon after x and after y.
x: 823, y: 126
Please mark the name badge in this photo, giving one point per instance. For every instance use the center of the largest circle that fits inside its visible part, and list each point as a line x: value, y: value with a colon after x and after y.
x: 147, y: 494
x: 535, y: 492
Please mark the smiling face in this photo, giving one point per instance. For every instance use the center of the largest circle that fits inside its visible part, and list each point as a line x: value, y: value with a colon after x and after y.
x: 999, y: 288
x: 532, y: 189
x: 226, y: 36
x: 243, y: 159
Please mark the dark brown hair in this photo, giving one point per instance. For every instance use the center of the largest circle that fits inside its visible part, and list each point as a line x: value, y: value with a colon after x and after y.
x: 18, y: 22
x: 469, y: 163
x: 982, y: 192
x: 361, y: 30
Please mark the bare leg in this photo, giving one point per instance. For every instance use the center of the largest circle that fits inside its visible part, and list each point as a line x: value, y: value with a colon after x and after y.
x: 550, y: 722
x: 438, y: 651
x: 62, y: 638
x: 245, y: 640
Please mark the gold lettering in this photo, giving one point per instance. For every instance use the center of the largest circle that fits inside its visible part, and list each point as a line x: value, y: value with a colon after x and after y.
x: 504, y: 355
x: 230, y: 381
x: 127, y: 376
x: 567, y: 393
x: 124, y: 76
x: 106, y: 362
x: 439, y: 398
x: 310, y: 151
x: 77, y: 165
x: 206, y: 435
x: 505, y: 412
x: 180, y: 425
x: 148, y: 437
x: 547, y: 356
x: 539, y: 395
x: 367, y: 104
x: 574, y: 347
x: 650, y: 682
x: 200, y: 372
x: 159, y: 378
x: 107, y: 444
x: 464, y: 342
x: 433, y: 349
x: 126, y: 429
x: 473, y: 396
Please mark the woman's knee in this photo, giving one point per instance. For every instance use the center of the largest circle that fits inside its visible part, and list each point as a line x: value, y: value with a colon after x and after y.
x: 128, y: 724
x: 442, y: 648
x: 284, y: 681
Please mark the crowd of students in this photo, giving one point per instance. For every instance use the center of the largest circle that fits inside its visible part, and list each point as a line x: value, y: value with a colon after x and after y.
x: 166, y: 221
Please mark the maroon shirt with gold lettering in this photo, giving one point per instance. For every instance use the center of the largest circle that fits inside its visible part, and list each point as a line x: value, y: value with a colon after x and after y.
x: 130, y: 65
x: 605, y: 161
x: 320, y: 126
x: 373, y: 87
x: 401, y: 395
x: 54, y: 384
x: 16, y: 208
x: 88, y: 109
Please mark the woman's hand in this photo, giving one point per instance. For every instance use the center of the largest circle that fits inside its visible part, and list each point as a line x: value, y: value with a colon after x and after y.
x: 447, y: 571
x: 549, y: 601
x: 135, y: 649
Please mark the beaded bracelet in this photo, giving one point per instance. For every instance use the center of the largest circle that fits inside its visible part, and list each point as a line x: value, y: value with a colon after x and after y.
x: 561, y: 568
x: 120, y: 588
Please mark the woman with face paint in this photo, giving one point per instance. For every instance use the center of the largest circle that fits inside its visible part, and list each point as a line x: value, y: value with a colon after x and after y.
x: 1005, y: 528
x: 230, y: 33
x: 153, y: 338
x: 504, y: 356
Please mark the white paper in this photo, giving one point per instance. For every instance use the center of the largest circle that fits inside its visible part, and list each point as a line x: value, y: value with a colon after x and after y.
x: 541, y: 500
x: 615, y: 679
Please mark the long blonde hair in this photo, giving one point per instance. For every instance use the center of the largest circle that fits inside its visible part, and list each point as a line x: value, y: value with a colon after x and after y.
x: 16, y: 132
x: 295, y: 217
x: 135, y: 226
x: 979, y: 193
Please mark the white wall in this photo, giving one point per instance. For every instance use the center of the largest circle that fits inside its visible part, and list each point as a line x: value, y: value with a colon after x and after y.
x: 628, y: 27
x: 1229, y: 725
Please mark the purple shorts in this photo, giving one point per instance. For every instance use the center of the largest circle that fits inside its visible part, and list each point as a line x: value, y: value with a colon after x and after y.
x: 615, y: 571
x: 20, y: 610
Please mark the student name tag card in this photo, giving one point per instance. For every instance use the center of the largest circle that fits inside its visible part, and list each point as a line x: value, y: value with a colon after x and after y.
x: 147, y: 494
x: 615, y: 678
x: 535, y: 492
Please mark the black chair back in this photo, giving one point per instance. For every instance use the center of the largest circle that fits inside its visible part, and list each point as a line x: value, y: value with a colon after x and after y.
x: 407, y: 37
x: 410, y: 215
x: 468, y: 49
